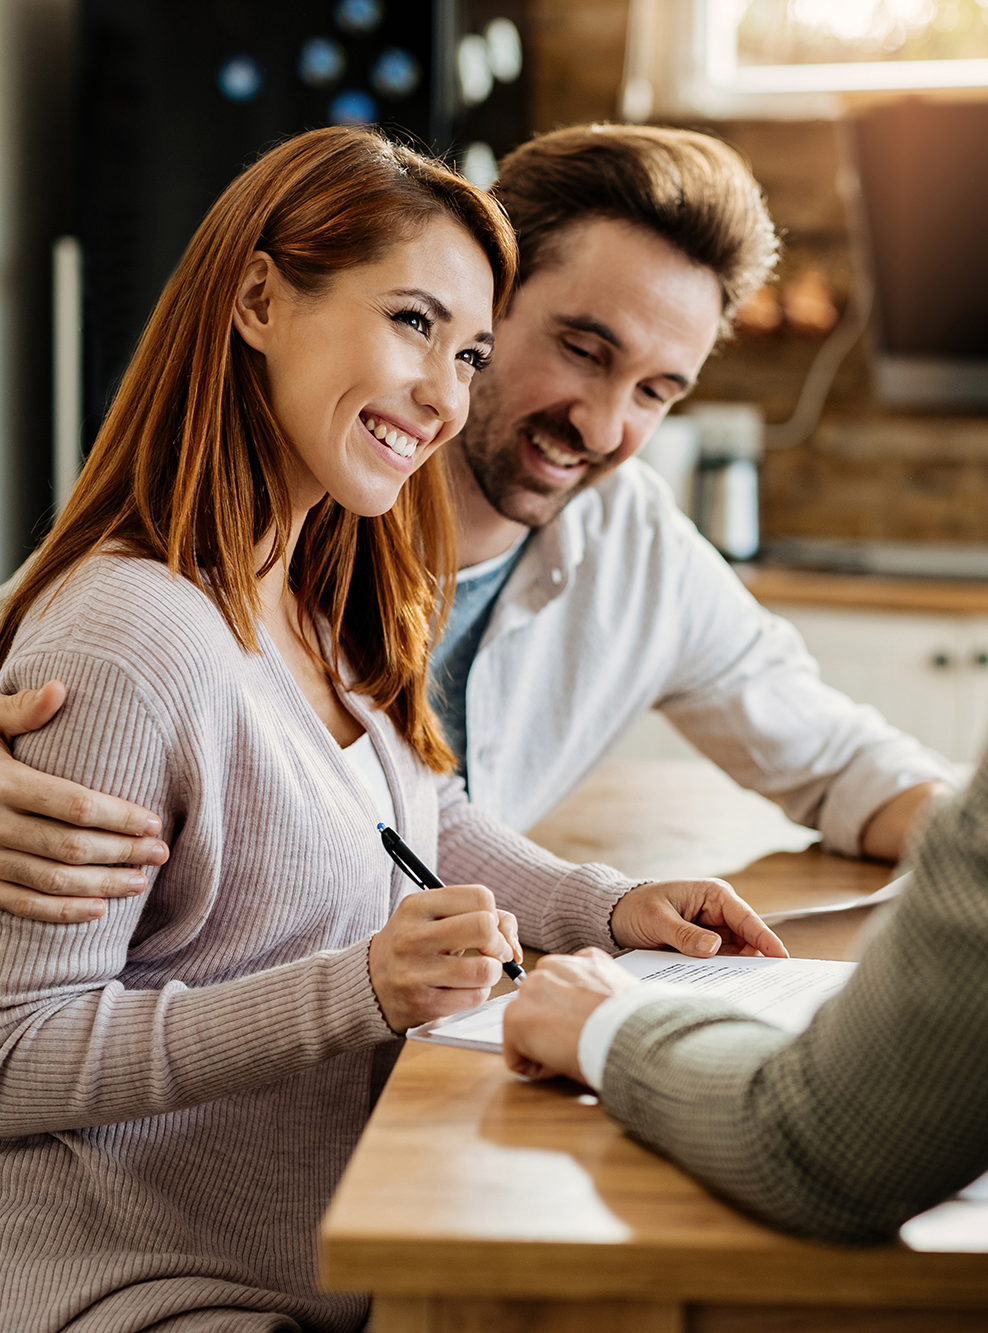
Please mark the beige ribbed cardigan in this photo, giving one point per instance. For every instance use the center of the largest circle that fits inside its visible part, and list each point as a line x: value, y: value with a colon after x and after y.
x: 182, y: 1081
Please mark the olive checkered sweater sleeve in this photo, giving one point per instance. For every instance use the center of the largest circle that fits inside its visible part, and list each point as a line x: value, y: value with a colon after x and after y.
x: 879, y: 1109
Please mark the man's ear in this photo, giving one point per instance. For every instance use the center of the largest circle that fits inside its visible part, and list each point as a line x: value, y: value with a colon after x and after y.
x: 252, y: 308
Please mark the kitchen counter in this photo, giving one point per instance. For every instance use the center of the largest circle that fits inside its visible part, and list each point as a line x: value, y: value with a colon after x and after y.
x: 870, y: 592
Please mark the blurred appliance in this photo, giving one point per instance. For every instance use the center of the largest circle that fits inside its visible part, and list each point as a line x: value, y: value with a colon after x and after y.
x: 725, y: 490
x: 672, y: 450
x: 923, y: 168
x: 177, y: 96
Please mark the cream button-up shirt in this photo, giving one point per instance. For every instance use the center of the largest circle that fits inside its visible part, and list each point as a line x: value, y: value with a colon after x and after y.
x: 619, y: 606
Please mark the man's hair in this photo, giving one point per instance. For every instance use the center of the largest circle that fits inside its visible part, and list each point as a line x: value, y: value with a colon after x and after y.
x: 689, y: 188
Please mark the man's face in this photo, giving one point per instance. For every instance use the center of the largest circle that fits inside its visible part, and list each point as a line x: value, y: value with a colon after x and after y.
x: 595, y: 349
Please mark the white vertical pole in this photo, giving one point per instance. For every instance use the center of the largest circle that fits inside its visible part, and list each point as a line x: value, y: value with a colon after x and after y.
x: 638, y: 97
x: 66, y: 366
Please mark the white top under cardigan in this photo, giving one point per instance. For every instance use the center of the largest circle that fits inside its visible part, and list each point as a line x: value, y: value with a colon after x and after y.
x: 362, y: 758
x: 183, y: 1080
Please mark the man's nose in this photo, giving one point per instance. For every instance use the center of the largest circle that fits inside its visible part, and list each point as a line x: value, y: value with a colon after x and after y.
x: 601, y: 422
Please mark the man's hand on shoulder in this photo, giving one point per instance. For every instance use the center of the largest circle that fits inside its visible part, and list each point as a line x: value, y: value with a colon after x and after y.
x: 64, y: 849
x: 698, y: 917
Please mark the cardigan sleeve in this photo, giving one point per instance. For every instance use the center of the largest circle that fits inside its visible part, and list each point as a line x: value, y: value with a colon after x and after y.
x: 878, y: 1110
x: 77, y: 1047
x: 560, y: 906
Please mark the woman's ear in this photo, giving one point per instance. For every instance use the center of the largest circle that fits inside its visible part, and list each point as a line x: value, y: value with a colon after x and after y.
x: 252, y: 308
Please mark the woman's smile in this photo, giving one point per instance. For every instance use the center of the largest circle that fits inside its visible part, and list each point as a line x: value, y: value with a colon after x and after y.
x: 398, y: 438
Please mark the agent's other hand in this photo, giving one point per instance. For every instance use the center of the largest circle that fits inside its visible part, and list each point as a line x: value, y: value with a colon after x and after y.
x: 699, y: 917
x: 417, y: 964
x: 64, y: 849
x: 542, y: 1025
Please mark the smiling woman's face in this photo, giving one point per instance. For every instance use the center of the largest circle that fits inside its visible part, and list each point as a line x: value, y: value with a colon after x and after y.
x: 368, y: 379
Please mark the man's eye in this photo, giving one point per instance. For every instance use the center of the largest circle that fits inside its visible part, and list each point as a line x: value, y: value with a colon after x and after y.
x: 579, y: 351
x: 414, y: 319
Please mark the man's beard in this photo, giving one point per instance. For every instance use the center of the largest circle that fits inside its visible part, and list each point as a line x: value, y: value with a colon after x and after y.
x: 495, y: 457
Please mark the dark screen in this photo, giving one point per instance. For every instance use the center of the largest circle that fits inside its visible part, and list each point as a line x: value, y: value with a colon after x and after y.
x: 924, y: 176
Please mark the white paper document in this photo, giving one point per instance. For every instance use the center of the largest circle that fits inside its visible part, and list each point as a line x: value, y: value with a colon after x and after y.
x: 883, y: 895
x: 959, y: 1224
x: 783, y: 991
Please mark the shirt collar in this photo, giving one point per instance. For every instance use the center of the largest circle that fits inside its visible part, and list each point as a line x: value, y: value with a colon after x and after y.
x: 546, y: 568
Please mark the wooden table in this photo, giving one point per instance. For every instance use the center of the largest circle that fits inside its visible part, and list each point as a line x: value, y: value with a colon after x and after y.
x: 477, y: 1203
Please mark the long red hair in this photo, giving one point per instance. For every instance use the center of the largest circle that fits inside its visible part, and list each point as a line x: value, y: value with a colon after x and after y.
x: 190, y: 465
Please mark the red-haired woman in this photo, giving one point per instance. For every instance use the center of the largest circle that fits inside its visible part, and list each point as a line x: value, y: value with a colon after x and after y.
x: 238, y: 599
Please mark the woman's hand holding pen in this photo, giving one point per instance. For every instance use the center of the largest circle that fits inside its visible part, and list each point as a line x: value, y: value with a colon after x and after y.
x: 416, y: 961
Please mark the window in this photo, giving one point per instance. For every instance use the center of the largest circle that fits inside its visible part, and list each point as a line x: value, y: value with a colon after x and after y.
x: 800, y: 46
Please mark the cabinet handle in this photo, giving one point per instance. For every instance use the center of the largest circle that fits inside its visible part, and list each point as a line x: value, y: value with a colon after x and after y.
x: 941, y: 661
x: 979, y: 659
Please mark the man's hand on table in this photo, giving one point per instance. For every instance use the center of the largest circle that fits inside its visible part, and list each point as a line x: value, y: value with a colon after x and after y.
x: 699, y: 917
x: 887, y: 832
x: 64, y: 849
x: 542, y: 1025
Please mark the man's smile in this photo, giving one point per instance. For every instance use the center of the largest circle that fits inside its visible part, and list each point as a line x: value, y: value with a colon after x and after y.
x: 554, y: 452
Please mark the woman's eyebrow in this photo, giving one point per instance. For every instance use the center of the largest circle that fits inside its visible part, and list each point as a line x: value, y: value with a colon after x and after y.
x: 439, y: 311
x: 436, y: 307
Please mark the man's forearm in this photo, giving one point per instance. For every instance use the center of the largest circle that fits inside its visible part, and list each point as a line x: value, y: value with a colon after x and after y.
x: 887, y: 832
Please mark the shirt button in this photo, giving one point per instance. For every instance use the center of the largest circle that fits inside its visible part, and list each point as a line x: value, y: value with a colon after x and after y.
x: 557, y: 576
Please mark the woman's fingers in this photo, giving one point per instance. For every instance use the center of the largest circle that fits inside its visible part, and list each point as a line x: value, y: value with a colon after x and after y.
x: 468, y: 930
x: 693, y: 916
x: 416, y: 960
x: 508, y: 926
x: 751, y: 935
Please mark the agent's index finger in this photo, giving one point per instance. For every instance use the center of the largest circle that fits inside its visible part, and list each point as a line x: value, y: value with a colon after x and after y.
x: 71, y: 803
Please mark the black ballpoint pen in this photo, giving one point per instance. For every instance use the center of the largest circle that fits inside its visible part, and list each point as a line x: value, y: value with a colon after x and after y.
x: 409, y: 864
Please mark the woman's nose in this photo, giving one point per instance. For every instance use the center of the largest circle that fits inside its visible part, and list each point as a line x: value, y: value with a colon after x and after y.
x: 442, y: 392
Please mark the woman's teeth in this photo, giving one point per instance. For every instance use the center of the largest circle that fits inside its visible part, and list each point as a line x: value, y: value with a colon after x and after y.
x: 561, y: 457
x: 401, y: 444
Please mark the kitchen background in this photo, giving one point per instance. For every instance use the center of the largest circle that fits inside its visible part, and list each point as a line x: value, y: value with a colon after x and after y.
x: 117, y: 127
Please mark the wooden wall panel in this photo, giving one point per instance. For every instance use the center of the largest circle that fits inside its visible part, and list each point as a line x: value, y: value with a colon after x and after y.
x: 578, y: 54
x: 866, y: 472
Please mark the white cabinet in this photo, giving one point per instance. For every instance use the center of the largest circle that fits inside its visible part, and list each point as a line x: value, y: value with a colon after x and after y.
x: 927, y: 674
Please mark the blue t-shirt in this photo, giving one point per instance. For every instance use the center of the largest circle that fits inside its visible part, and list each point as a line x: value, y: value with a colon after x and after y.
x: 477, y: 589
